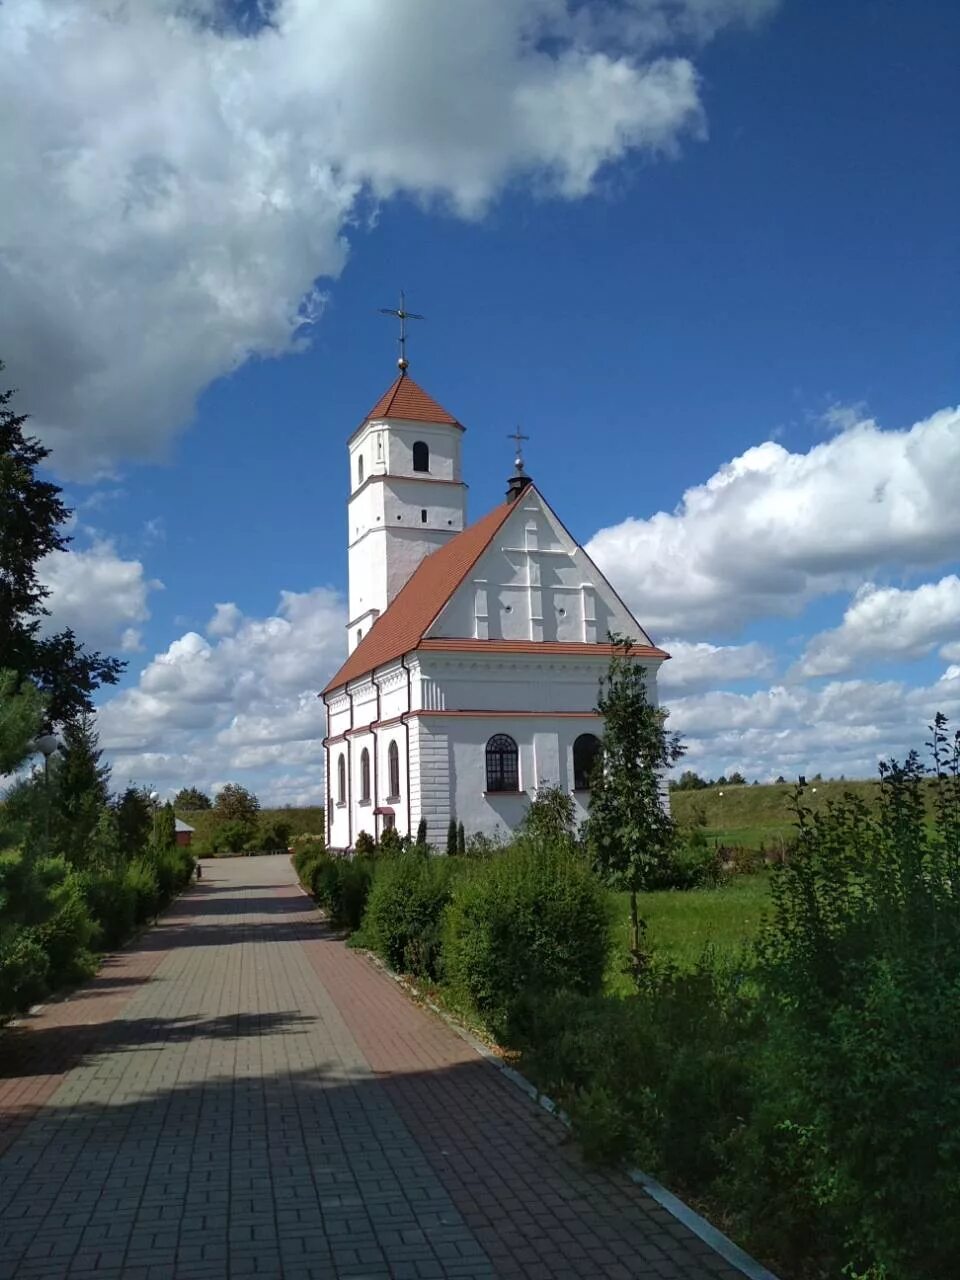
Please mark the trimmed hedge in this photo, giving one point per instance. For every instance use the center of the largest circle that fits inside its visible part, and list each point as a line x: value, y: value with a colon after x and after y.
x: 533, y: 920
x: 402, y: 922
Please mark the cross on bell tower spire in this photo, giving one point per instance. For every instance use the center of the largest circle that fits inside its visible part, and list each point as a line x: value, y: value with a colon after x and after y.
x: 403, y: 315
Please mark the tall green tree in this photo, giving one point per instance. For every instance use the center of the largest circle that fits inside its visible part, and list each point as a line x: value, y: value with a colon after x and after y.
x: 191, y: 798
x: 21, y: 715
x: 166, y: 838
x: 80, y: 792
x: 32, y: 516
x: 235, y: 803
x: 629, y: 831
x: 134, y: 821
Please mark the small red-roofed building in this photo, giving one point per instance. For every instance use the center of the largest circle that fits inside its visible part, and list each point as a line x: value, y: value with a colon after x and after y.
x: 474, y: 651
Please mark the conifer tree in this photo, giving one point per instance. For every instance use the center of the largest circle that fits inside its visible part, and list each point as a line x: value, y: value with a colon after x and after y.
x: 630, y: 832
x: 32, y: 516
x: 80, y: 792
x: 452, y: 838
x: 422, y: 834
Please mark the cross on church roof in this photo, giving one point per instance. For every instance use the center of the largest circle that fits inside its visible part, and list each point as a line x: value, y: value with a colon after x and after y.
x: 403, y: 315
x: 519, y: 437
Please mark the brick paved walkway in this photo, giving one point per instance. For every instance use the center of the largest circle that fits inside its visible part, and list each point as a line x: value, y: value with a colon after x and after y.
x: 241, y: 1094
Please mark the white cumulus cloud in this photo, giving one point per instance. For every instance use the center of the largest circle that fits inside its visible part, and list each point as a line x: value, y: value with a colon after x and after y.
x: 208, y: 710
x: 888, y: 623
x: 182, y: 183
x: 98, y: 594
x: 701, y: 665
x: 772, y: 529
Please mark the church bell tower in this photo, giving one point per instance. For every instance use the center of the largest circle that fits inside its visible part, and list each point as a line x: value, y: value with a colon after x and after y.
x: 407, y: 495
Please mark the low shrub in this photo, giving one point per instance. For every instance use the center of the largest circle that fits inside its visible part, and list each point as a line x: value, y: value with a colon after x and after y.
x: 341, y: 885
x: 173, y: 868
x: 68, y: 934
x: 24, y: 969
x: 112, y: 902
x: 534, y: 920
x: 140, y: 877
x: 662, y: 1078
x: 402, y: 921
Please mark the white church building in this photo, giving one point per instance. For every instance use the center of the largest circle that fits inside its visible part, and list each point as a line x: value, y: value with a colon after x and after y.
x: 474, y: 651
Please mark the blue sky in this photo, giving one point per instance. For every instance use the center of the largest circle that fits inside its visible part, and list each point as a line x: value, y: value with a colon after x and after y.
x: 759, y: 250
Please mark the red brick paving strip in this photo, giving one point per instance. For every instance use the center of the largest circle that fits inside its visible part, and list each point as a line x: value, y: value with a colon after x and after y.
x: 508, y: 1166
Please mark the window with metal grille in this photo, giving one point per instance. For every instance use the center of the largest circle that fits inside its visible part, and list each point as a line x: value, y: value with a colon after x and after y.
x: 585, y: 752
x: 503, y: 770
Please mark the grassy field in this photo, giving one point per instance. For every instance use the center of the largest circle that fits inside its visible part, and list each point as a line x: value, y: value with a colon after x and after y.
x: 681, y: 923
x: 750, y: 816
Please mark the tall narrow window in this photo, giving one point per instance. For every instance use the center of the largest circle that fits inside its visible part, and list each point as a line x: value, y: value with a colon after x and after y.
x: 360, y: 470
x: 359, y: 634
x: 364, y: 776
x: 585, y: 752
x: 393, y: 770
x: 423, y: 515
x: 421, y: 456
x: 341, y: 780
x: 503, y: 772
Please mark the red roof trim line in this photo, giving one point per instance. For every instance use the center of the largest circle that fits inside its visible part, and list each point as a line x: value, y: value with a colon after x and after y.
x: 505, y: 715
x: 551, y: 648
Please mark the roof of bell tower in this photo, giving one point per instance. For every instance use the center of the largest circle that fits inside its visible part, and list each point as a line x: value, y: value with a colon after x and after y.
x: 405, y: 398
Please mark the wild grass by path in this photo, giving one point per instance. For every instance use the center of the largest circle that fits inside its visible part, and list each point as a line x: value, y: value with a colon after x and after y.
x: 682, y: 923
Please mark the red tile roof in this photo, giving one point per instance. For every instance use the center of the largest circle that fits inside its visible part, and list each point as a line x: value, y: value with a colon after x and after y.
x: 405, y: 399
x: 401, y: 626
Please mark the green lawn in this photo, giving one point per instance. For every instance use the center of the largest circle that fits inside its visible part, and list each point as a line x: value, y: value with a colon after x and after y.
x: 681, y: 923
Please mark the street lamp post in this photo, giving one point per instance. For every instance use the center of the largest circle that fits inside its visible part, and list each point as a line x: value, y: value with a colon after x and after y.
x: 154, y: 797
x: 47, y: 744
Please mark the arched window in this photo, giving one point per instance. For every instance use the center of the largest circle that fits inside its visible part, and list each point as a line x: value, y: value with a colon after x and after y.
x: 421, y: 456
x: 585, y: 752
x: 503, y: 772
x: 393, y: 770
x: 342, y: 780
x: 364, y: 776
x: 360, y: 470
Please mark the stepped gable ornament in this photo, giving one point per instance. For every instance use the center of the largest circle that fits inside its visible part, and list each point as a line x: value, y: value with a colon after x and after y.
x: 403, y: 315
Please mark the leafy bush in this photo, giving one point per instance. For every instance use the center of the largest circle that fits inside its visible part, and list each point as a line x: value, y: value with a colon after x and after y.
x: 403, y: 915
x: 532, y: 920
x: 662, y: 1078
x: 365, y: 846
x: 392, y: 844
x: 67, y: 935
x: 112, y: 901
x: 860, y: 972
x: 234, y: 835
x: 173, y: 868
x: 273, y: 834
x: 24, y: 969
x: 693, y: 861
x: 341, y: 886
x: 140, y: 878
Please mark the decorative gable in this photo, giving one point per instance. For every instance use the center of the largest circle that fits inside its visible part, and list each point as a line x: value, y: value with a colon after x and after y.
x: 534, y: 583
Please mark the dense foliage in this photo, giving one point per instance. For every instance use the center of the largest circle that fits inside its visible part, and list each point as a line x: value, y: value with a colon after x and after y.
x: 78, y: 870
x: 32, y: 520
